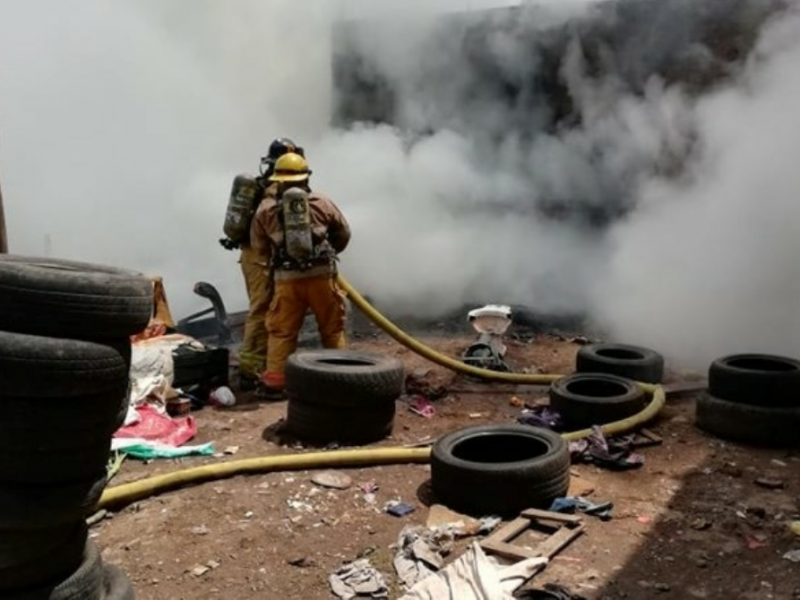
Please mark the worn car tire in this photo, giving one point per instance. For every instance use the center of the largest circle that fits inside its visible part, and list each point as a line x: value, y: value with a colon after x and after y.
x: 56, y: 564
x: 624, y: 360
x: 321, y: 424
x: 27, y: 466
x: 748, y: 424
x: 587, y: 399
x: 757, y: 379
x: 84, y: 582
x: 63, y: 298
x: 41, y: 507
x: 344, y: 378
x: 46, y: 367
x: 56, y: 425
x: 117, y: 586
x: 499, y: 469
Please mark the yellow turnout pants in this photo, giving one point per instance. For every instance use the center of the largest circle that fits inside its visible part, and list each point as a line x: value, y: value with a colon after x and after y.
x: 287, y: 311
x: 253, y: 352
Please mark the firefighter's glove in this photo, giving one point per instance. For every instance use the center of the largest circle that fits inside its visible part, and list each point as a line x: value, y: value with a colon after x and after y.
x: 229, y: 244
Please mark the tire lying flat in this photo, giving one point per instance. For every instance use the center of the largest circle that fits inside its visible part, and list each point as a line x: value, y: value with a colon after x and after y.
x: 499, y: 469
x: 58, y: 564
x: 756, y: 379
x: 748, y: 424
x: 344, y: 377
x: 63, y: 298
x: 321, y: 424
x: 41, y: 507
x: 33, y: 366
x: 632, y: 362
x: 587, y: 399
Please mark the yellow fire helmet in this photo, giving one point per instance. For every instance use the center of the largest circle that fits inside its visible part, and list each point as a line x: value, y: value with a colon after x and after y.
x: 291, y: 167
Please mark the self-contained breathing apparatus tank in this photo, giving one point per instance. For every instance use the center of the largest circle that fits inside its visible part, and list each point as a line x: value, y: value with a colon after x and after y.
x: 245, y: 195
x: 298, y: 238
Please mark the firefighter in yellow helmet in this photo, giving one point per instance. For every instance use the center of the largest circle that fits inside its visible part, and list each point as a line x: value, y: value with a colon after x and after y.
x: 255, y: 267
x: 302, y: 232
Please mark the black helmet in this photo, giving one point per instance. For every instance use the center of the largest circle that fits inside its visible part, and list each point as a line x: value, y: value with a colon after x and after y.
x: 278, y: 148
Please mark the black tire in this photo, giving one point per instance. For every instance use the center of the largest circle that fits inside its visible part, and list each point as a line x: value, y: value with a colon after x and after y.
x: 41, y: 507
x: 748, y: 424
x: 25, y: 466
x: 62, y: 298
x: 328, y: 424
x: 117, y: 584
x: 756, y: 379
x: 45, y: 367
x: 86, y: 581
x: 55, y: 565
x: 499, y: 469
x: 624, y: 360
x: 60, y: 424
x: 587, y: 399
x: 344, y: 377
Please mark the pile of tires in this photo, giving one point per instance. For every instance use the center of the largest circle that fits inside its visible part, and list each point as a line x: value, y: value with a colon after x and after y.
x: 64, y: 364
x: 342, y: 396
x: 583, y: 400
x: 752, y: 399
x: 499, y: 469
x: 632, y: 362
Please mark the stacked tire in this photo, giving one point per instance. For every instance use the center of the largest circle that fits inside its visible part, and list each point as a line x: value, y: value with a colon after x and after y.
x: 342, y: 396
x: 624, y: 360
x: 64, y: 364
x: 753, y: 399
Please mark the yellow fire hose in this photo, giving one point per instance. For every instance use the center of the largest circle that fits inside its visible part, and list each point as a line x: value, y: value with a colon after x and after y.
x: 131, y: 492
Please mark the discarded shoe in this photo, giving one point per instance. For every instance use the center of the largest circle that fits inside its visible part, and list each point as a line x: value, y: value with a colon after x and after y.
x: 247, y: 383
x: 269, y: 393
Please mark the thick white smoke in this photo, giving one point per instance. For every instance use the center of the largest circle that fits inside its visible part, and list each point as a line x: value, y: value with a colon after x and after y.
x: 122, y: 127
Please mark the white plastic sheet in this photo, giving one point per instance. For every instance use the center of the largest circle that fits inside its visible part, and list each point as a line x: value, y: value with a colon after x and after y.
x: 473, y: 576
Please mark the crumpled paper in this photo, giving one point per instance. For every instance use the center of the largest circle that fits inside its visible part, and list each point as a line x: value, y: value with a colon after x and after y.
x: 358, y: 579
x: 421, y: 552
x: 474, y: 577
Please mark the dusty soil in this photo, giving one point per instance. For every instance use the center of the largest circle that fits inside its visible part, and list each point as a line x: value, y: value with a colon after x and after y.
x: 691, y: 523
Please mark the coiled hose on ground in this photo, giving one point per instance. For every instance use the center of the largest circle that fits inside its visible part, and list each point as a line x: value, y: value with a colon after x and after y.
x: 126, y: 493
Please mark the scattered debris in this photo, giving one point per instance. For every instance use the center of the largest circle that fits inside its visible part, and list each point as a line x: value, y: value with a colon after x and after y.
x: 571, y: 505
x: 421, y: 406
x: 474, y: 577
x: 700, y: 524
x: 516, y: 402
x: 358, y: 578
x: 794, y: 527
x: 301, y: 562
x: 793, y: 555
x: 332, y: 479
x: 417, y: 385
x: 731, y: 469
x: 542, y: 416
x: 550, y: 591
x: 421, y: 552
x: 231, y: 450
x: 199, y: 570
x: 769, y: 483
x: 399, y: 509
x: 200, y: 530
x: 778, y: 463
x: 616, y: 453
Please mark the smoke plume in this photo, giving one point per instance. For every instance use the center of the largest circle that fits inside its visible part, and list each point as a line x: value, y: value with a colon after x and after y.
x: 629, y: 160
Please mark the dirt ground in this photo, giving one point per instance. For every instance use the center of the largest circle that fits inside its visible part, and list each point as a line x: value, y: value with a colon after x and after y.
x: 690, y: 523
